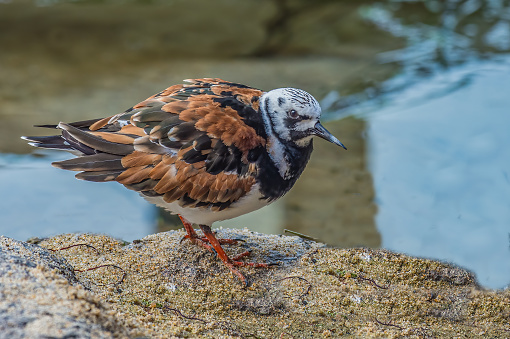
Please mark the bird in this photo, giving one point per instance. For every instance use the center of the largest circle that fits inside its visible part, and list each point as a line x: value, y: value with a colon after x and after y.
x: 207, y: 150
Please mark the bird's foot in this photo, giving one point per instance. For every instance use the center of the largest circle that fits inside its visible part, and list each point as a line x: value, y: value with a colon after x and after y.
x: 199, y: 242
x: 205, y: 240
x: 212, y: 244
x: 252, y: 264
x: 233, y: 262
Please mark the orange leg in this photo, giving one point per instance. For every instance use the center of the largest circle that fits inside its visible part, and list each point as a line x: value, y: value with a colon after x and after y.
x: 189, y: 229
x: 223, y: 256
x: 192, y: 235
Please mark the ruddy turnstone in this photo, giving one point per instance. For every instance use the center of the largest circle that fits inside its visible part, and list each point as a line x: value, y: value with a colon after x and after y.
x: 207, y: 150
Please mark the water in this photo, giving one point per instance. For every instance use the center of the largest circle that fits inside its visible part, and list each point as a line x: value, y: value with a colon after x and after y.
x: 441, y: 172
x: 427, y: 171
x: 43, y: 201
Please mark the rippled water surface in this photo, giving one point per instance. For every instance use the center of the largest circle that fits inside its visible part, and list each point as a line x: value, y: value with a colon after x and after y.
x: 441, y: 172
x: 425, y: 116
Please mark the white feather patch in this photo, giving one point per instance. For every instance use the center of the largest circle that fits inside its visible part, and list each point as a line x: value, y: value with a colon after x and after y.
x: 205, y: 216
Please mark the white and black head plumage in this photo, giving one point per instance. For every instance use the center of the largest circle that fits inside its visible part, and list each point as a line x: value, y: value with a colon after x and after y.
x: 291, y: 118
x: 292, y: 115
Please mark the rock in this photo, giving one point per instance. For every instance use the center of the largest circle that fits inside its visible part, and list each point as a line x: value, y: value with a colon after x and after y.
x: 173, y: 288
x: 41, y: 298
x: 160, y: 287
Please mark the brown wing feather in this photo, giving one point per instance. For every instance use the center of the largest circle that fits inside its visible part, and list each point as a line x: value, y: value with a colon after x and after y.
x: 187, y: 143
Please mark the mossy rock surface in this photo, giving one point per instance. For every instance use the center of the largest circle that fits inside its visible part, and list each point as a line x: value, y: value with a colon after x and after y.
x: 160, y: 287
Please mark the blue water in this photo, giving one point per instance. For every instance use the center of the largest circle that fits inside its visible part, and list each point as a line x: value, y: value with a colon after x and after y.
x: 40, y: 201
x: 441, y: 168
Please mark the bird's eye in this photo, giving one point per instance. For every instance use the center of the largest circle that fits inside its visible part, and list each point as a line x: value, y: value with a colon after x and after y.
x: 293, y: 114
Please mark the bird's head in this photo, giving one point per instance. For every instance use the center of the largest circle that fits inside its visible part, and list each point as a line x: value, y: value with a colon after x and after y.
x: 293, y: 115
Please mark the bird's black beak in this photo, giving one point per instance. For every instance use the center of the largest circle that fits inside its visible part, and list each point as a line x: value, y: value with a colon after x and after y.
x: 323, y: 133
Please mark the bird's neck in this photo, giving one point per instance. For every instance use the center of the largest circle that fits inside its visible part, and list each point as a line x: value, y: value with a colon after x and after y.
x: 286, y: 161
x: 279, y: 167
x: 287, y: 157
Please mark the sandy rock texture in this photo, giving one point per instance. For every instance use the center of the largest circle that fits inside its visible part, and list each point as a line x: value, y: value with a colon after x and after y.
x: 160, y: 287
x: 40, y: 297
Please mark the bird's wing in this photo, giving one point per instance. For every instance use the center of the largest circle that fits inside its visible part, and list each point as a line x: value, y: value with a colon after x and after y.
x: 191, y: 143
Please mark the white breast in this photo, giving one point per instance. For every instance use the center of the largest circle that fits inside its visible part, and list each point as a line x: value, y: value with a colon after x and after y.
x: 204, y: 216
